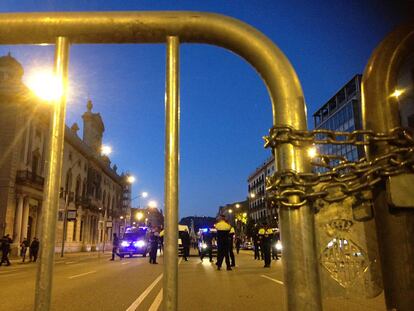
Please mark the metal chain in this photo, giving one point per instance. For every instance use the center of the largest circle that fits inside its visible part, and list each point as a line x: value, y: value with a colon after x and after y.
x: 294, y: 189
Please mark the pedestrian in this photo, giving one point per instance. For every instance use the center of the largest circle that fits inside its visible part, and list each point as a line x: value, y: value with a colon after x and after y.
x: 115, y: 247
x: 265, y: 234
x: 238, y: 244
x: 186, y: 241
x: 256, y: 244
x: 23, y: 249
x: 223, y: 229
x: 207, y: 239
x: 231, y: 253
x: 34, y: 249
x: 153, y: 240
x: 5, y: 249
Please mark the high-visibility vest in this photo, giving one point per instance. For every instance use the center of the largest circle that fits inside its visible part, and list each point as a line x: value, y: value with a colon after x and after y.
x: 222, y: 226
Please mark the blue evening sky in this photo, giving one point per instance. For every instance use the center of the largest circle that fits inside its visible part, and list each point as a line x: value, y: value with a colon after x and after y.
x: 225, y: 108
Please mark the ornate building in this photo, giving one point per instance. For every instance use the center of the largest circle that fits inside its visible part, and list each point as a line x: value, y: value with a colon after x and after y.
x: 93, y: 193
x: 260, y: 209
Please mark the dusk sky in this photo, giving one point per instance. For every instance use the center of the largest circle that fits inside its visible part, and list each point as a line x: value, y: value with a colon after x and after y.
x: 225, y: 108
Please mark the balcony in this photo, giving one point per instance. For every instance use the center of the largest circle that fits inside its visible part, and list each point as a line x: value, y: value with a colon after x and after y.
x: 30, y: 179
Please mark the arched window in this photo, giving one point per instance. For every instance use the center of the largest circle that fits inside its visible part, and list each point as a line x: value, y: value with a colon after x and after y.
x: 78, y: 187
x: 68, y: 184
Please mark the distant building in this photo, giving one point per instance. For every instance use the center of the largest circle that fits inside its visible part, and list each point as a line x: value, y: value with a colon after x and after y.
x: 149, y: 216
x: 342, y: 112
x: 92, y: 189
x: 259, y: 208
x: 237, y: 213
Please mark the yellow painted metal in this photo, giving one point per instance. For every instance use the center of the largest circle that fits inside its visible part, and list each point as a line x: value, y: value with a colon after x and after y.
x: 300, y: 264
x: 380, y: 112
x: 44, y: 276
x: 172, y: 131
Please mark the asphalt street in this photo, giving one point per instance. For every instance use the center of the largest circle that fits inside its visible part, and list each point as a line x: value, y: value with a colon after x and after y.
x: 89, y: 282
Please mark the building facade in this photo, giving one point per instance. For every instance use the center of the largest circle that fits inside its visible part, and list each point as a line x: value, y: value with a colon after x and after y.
x: 92, y: 192
x: 342, y: 112
x: 260, y: 209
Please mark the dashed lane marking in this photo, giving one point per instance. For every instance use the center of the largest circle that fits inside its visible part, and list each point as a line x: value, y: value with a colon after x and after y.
x: 271, y: 279
x: 157, y: 302
x: 82, y: 274
x: 125, y: 263
x: 141, y: 297
x: 69, y: 262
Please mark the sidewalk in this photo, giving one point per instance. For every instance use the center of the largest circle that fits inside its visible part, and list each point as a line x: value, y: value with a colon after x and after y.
x: 18, y: 260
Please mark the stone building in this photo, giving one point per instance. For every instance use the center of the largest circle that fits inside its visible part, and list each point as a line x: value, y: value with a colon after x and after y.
x: 259, y: 208
x: 91, y: 190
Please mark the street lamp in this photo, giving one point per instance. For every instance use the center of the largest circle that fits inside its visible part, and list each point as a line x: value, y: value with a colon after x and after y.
x: 45, y: 84
x: 237, y: 205
x: 106, y: 150
x: 152, y: 204
x: 139, y: 216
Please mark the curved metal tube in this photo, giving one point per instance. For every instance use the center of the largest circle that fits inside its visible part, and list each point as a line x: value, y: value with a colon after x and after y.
x: 380, y: 112
x: 154, y: 27
x: 297, y: 225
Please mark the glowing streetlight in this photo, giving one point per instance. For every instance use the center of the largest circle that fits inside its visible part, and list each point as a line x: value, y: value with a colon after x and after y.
x: 144, y: 194
x: 139, y: 216
x: 312, y: 152
x: 252, y: 195
x: 244, y: 214
x: 230, y: 211
x: 131, y: 179
x: 237, y: 205
x: 106, y: 150
x: 397, y: 93
x: 152, y: 204
x: 121, y: 217
x: 45, y: 84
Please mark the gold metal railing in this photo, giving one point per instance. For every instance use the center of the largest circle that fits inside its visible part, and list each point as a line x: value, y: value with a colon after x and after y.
x: 301, y: 268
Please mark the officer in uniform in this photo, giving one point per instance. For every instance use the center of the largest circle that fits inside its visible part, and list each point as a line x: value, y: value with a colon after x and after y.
x: 223, y: 229
x: 231, y: 253
x: 265, y: 236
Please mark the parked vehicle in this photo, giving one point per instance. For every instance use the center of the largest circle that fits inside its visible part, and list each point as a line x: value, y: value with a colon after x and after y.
x: 247, y: 245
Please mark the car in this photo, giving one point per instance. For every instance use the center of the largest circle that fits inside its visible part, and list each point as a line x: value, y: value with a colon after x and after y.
x: 247, y: 245
x: 134, y: 242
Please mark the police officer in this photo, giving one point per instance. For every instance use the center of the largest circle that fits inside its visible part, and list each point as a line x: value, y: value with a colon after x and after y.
x: 231, y: 253
x: 153, y: 240
x: 186, y: 241
x: 265, y: 236
x: 223, y: 229
x: 115, y: 247
x: 5, y: 248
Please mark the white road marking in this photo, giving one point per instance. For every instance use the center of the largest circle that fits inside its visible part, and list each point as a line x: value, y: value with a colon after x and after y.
x: 82, y: 274
x: 157, y: 302
x: 141, y: 298
x: 69, y: 262
x: 125, y: 263
x: 271, y: 279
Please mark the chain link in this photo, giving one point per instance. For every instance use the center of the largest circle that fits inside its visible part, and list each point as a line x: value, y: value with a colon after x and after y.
x: 342, y: 178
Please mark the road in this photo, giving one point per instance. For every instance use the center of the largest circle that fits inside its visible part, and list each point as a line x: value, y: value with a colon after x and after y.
x: 89, y: 282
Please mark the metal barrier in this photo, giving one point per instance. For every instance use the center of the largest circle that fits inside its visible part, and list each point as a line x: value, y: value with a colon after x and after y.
x: 301, y: 267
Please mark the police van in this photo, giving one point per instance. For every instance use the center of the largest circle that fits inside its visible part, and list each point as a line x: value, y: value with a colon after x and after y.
x: 205, y: 234
x: 134, y: 242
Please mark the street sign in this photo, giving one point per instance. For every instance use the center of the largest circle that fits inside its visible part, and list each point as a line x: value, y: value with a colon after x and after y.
x: 109, y: 224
